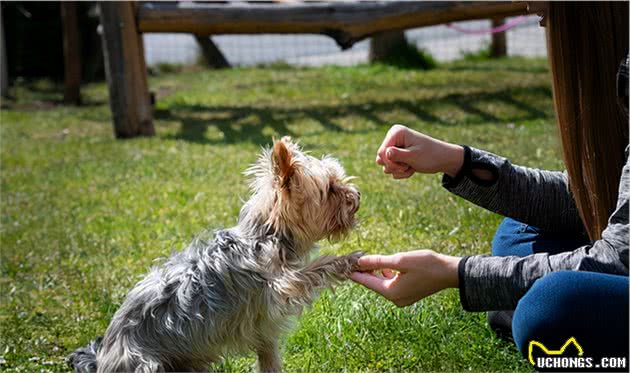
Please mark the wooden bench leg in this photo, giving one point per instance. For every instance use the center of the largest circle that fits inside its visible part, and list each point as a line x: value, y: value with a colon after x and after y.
x: 498, y: 48
x: 126, y: 71
x: 211, y: 53
x: 4, y: 70
x: 71, y: 53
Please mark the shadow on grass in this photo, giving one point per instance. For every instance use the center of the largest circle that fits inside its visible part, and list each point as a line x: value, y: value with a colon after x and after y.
x: 41, y: 94
x: 248, y: 123
x: 481, y: 66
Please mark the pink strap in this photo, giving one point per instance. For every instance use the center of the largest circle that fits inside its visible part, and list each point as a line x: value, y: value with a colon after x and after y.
x: 503, y: 27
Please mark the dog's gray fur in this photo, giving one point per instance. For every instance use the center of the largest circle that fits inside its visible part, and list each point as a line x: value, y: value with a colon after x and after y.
x: 234, y: 292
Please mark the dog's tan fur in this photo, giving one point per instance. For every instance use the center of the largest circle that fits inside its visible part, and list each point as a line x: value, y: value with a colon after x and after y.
x: 235, y: 293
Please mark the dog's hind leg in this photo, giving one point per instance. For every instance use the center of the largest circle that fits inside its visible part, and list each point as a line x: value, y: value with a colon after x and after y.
x: 299, y: 286
x: 269, y: 357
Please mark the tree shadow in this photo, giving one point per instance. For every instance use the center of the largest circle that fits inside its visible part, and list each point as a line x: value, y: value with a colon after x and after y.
x: 472, y: 67
x: 236, y: 124
x: 35, y: 94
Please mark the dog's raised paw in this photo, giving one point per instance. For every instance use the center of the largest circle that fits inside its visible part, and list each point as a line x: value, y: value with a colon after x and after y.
x: 352, y: 261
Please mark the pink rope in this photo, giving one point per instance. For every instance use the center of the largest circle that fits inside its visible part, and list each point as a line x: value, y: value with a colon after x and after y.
x: 503, y: 27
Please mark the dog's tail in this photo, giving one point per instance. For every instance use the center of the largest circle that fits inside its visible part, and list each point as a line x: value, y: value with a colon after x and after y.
x: 83, y: 360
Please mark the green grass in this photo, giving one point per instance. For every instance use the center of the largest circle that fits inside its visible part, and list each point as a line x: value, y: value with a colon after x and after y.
x: 481, y: 54
x: 85, y: 215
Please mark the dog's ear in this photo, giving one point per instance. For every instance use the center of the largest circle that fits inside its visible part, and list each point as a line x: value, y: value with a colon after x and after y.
x: 283, y: 164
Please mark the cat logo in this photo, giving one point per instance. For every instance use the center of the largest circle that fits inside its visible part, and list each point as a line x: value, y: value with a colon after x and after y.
x: 553, y: 352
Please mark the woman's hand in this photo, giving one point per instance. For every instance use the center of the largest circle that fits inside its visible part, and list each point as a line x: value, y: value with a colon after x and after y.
x: 405, y: 278
x: 405, y: 151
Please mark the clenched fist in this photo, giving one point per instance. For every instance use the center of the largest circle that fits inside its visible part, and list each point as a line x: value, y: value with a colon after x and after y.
x: 405, y: 151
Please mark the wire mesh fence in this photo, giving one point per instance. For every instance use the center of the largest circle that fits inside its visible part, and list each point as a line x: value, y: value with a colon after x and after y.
x: 443, y: 43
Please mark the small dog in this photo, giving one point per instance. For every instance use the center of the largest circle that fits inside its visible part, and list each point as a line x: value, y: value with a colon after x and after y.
x: 235, y: 292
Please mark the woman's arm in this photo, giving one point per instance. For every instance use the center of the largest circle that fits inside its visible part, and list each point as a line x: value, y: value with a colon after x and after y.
x: 535, y: 197
x: 497, y: 283
x: 532, y: 196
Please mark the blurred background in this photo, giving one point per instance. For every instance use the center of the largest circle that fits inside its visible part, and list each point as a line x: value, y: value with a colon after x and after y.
x: 84, y: 214
x: 443, y: 43
x: 35, y: 47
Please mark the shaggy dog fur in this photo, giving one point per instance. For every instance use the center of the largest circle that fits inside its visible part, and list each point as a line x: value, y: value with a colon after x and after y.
x: 234, y: 292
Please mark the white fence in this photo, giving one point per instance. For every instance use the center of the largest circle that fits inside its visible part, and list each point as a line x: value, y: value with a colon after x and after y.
x: 445, y: 44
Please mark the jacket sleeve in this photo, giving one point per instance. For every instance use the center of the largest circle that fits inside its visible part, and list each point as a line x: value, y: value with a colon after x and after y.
x: 534, y: 197
x: 497, y: 283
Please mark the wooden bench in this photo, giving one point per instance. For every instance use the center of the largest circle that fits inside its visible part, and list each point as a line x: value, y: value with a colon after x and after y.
x: 346, y: 22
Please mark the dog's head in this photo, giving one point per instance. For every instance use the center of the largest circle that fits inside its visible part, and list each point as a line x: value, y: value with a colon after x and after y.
x: 303, y: 197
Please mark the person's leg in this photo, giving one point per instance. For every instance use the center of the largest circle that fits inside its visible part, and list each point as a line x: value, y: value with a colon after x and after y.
x: 514, y: 238
x: 591, y: 307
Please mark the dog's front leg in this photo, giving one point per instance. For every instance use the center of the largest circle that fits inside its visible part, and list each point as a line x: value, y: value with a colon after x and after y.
x: 299, y: 286
x: 269, y: 357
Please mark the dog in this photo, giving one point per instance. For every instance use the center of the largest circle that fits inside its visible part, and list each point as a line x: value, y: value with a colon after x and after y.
x: 235, y: 291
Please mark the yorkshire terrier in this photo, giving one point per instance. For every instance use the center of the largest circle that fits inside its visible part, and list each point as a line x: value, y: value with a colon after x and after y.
x: 236, y: 291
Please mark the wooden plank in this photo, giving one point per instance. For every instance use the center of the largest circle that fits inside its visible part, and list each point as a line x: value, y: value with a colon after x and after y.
x: 146, y: 113
x: 382, y: 45
x: 498, y: 48
x: 125, y: 69
x: 211, y: 53
x: 346, y: 22
x: 71, y: 53
x: 4, y: 69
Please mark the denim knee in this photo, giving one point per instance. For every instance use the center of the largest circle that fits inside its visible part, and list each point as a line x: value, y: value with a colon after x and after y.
x: 592, y: 307
x: 513, y: 238
x: 540, y: 309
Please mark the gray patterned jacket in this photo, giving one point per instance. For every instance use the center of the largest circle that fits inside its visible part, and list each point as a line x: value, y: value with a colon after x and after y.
x: 538, y: 198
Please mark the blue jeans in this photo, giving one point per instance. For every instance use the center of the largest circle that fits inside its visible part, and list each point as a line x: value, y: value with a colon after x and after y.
x: 592, y: 307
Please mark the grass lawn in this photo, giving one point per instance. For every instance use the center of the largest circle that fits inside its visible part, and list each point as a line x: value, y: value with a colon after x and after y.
x: 84, y: 215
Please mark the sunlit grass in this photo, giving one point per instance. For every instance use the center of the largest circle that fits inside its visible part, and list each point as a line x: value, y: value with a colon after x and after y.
x: 85, y: 215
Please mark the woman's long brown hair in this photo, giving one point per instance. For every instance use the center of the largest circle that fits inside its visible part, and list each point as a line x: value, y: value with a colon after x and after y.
x: 586, y: 42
